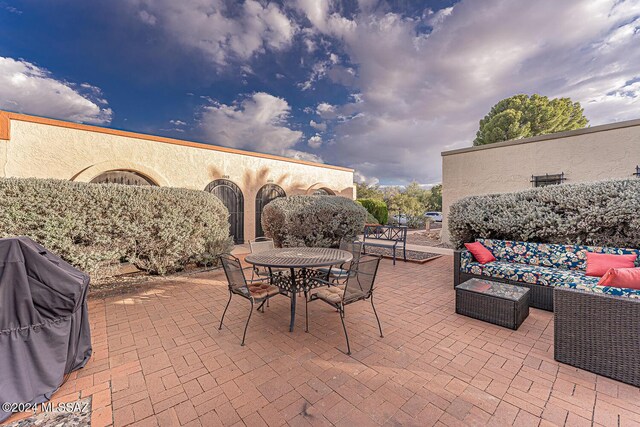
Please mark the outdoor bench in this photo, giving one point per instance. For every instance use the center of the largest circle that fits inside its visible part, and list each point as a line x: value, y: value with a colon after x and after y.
x: 386, y: 236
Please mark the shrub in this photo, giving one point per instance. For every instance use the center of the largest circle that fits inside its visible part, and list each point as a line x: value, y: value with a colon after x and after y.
x: 377, y: 208
x: 314, y: 221
x: 600, y: 213
x: 96, y: 225
x: 372, y: 220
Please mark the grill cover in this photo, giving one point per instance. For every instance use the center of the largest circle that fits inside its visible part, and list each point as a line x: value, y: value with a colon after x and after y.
x: 44, y: 323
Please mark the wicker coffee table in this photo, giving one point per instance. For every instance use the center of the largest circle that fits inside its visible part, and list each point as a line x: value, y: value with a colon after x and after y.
x: 498, y: 303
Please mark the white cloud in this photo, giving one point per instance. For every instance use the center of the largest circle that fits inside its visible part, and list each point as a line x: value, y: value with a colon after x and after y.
x: 319, y: 71
x: 321, y: 126
x: 326, y: 110
x: 222, y: 31
x: 315, y: 141
x: 421, y: 93
x: 177, y: 122
x: 258, y: 122
x: 435, y: 19
x: 27, y: 88
x: 147, y: 18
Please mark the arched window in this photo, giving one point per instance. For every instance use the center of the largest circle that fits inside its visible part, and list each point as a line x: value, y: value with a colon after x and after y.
x: 323, y: 192
x: 125, y: 177
x: 266, y: 194
x: 231, y: 196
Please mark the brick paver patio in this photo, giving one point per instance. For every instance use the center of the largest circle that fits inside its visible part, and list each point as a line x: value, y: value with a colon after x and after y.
x: 159, y: 359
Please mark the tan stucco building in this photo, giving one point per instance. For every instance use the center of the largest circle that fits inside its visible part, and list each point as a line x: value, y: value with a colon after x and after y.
x: 590, y: 154
x: 44, y: 148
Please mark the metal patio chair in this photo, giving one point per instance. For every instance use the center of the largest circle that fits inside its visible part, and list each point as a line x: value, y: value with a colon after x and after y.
x: 339, y: 275
x: 262, y: 244
x: 257, y: 291
x: 359, y: 286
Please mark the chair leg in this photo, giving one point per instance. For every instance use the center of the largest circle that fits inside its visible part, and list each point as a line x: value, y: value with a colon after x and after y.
x: 394, y: 255
x: 306, y: 312
x: 345, y: 330
x: 247, y: 324
x: 225, y: 311
x: 376, y: 313
x: 261, y: 306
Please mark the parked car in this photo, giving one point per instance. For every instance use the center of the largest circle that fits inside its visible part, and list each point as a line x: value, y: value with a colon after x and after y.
x: 435, y: 216
x: 400, y: 219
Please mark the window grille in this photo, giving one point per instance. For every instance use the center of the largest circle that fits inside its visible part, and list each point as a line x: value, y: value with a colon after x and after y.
x: 547, y: 179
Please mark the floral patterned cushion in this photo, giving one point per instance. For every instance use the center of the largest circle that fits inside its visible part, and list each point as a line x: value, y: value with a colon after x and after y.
x: 567, y: 257
x: 540, y: 275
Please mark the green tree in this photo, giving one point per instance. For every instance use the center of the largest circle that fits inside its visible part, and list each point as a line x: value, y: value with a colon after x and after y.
x: 389, y: 192
x: 522, y: 116
x: 434, y: 201
x: 367, y: 191
x: 377, y: 209
x: 403, y: 203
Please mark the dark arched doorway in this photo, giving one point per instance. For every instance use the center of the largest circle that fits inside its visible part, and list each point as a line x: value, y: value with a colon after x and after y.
x: 266, y: 194
x: 125, y: 177
x: 323, y: 192
x: 231, y: 196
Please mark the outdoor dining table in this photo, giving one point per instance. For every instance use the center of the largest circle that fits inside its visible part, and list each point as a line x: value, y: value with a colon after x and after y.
x: 301, y: 263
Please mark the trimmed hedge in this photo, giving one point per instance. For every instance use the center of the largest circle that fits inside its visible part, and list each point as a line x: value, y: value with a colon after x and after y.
x: 313, y: 221
x: 95, y: 226
x: 377, y: 208
x: 605, y: 213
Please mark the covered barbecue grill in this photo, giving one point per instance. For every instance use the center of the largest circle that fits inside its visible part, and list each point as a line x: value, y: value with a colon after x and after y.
x: 44, y: 323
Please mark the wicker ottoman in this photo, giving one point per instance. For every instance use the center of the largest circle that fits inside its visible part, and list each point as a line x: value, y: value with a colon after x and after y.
x: 498, y: 303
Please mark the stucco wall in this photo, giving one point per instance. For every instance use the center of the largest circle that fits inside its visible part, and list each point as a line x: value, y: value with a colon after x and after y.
x: 57, y: 151
x: 597, y: 153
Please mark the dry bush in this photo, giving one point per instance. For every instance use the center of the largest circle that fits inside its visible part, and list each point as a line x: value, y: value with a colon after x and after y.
x: 603, y: 213
x: 313, y: 221
x: 94, y: 226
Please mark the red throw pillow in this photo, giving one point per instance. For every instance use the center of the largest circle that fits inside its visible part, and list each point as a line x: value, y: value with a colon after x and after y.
x: 599, y: 264
x: 621, y: 278
x: 480, y: 252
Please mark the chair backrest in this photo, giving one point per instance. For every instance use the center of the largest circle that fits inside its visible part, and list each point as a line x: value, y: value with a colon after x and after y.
x: 396, y: 233
x: 354, y: 247
x: 261, y: 245
x: 235, y: 275
x: 362, y: 277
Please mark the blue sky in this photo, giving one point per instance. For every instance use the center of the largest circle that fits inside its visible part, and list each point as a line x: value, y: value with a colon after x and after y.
x: 380, y: 86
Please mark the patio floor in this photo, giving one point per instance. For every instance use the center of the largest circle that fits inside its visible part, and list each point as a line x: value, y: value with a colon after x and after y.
x: 159, y: 359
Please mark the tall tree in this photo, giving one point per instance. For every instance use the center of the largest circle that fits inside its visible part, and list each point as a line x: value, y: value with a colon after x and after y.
x: 522, y: 116
x: 434, y: 201
x: 367, y: 191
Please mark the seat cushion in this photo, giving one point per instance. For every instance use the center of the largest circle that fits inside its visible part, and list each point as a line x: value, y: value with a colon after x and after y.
x: 336, y: 273
x: 533, y: 274
x: 262, y: 290
x: 545, y: 276
x: 334, y: 294
x: 569, y: 257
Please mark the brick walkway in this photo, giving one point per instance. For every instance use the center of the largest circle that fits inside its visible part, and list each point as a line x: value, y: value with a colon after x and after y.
x: 159, y: 359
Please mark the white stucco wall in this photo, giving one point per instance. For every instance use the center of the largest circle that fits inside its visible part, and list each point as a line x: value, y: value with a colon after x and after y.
x: 43, y: 150
x: 591, y: 154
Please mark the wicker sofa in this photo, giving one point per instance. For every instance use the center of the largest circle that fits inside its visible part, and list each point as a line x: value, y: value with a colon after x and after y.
x: 539, y: 266
x: 596, y: 328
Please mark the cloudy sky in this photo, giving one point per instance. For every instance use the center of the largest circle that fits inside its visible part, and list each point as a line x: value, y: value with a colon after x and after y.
x: 380, y: 86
